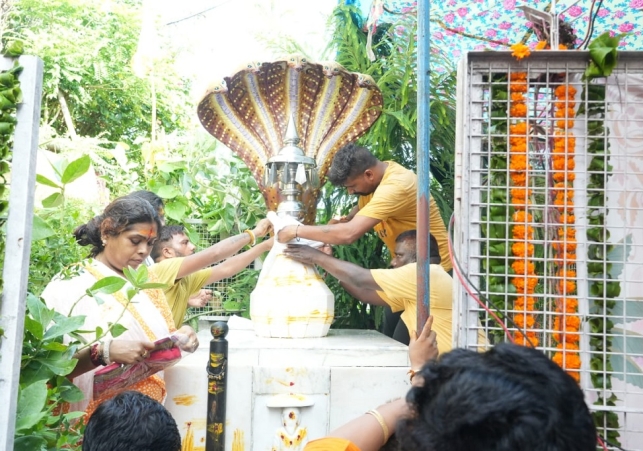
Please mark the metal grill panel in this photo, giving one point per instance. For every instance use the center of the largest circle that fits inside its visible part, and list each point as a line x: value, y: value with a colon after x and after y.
x: 215, y: 309
x: 581, y: 213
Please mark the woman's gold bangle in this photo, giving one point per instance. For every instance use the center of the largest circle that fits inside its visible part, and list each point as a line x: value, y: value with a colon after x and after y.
x: 380, y: 419
x: 253, y: 238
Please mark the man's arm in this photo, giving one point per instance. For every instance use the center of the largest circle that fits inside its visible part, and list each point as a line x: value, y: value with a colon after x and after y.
x: 342, y: 270
x: 221, y: 250
x: 235, y: 264
x: 346, y: 218
x: 363, y: 295
x: 340, y: 233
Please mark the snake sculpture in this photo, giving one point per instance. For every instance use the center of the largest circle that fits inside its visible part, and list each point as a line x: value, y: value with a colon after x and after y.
x: 249, y: 113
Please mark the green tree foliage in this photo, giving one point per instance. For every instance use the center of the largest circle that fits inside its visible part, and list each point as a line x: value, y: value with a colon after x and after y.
x: 393, y: 136
x: 87, y: 48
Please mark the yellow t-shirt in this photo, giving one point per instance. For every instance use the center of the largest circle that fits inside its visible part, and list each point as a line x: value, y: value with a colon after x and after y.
x: 394, y: 202
x: 181, y: 290
x: 399, y: 290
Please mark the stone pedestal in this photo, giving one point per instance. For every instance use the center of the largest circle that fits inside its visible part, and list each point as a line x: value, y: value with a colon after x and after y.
x: 327, y: 381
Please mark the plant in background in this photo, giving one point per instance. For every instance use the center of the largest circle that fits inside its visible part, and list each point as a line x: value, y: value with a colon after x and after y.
x: 10, y: 95
x: 202, y: 180
x: 89, y: 86
x: 53, y: 225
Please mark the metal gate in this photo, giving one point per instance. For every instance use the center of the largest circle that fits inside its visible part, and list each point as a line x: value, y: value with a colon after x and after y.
x: 548, y: 229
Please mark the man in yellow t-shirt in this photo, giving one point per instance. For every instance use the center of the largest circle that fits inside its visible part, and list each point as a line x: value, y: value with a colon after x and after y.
x: 387, y: 203
x: 396, y: 287
x: 186, y: 272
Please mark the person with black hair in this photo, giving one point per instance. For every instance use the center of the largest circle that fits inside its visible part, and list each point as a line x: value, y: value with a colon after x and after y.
x: 509, y: 398
x: 155, y: 201
x: 387, y: 203
x: 131, y: 421
x: 186, y: 272
x: 122, y: 236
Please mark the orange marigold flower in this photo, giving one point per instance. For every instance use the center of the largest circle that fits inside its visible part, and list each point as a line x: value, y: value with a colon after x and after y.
x: 524, y: 303
x: 522, y: 267
x: 569, y: 232
x: 524, y: 284
x: 567, y: 123
x: 571, y: 305
x: 542, y: 45
x: 562, y: 47
x: 529, y: 340
x: 568, y: 218
x: 520, y: 193
x: 565, y: 113
x: 522, y: 250
x: 566, y: 286
x: 518, y: 163
x: 516, y: 76
x: 521, y: 216
x: 520, y: 232
x: 518, y: 86
x: 563, y: 176
x: 523, y: 320
x: 517, y: 97
x: 572, y: 321
x: 564, y: 90
x: 518, y: 141
x: 519, y: 128
x: 520, y: 51
x: 519, y: 178
x: 519, y: 148
x: 518, y: 110
x: 565, y: 102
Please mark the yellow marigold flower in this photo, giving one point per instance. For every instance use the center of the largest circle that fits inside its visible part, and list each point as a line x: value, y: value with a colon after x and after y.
x: 520, y: 51
x: 542, y: 45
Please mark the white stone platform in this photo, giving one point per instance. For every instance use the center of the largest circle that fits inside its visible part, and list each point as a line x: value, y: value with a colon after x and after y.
x: 343, y: 375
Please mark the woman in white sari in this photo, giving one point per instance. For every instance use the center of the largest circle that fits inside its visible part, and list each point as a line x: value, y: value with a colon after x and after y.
x: 122, y: 236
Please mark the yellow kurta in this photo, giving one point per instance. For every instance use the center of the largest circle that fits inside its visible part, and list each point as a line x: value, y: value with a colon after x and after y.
x: 394, y: 202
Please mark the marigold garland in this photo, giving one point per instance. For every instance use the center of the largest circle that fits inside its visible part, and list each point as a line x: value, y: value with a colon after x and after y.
x: 566, y: 321
x: 525, y: 279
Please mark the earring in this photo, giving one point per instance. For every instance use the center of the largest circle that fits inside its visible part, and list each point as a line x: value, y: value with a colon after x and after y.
x: 104, y: 243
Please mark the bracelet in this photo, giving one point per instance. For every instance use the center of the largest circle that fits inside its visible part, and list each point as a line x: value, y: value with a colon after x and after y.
x: 380, y: 419
x: 106, y: 346
x: 297, y: 238
x: 95, y: 354
x: 253, y: 238
x: 412, y: 374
